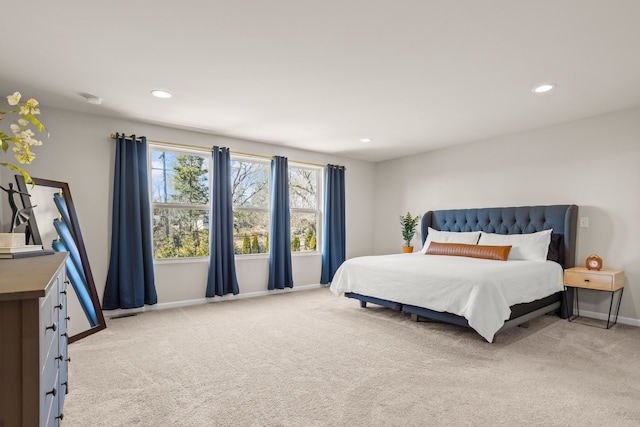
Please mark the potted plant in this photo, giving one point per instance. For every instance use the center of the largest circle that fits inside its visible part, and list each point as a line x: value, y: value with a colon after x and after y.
x: 409, y: 224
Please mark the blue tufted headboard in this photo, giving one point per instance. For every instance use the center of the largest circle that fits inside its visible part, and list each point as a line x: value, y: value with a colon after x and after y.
x: 562, y: 219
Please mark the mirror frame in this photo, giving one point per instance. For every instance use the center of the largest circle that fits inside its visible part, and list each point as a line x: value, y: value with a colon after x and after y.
x: 77, y: 236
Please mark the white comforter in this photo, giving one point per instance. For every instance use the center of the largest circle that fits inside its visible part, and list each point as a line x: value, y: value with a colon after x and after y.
x: 479, y: 290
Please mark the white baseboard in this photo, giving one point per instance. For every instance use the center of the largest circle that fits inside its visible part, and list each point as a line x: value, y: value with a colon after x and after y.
x: 229, y: 297
x: 603, y: 316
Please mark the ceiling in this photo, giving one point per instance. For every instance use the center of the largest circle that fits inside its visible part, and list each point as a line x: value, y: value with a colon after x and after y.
x: 412, y: 75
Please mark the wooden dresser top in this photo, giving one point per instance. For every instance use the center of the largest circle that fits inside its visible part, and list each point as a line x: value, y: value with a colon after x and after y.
x: 26, y: 278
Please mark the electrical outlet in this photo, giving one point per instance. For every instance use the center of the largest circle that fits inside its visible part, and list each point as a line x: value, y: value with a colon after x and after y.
x: 584, y: 222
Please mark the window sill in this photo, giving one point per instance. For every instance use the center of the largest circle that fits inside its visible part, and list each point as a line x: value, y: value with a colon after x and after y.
x: 266, y: 256
x: 297, y: 254
x: 160, y: 261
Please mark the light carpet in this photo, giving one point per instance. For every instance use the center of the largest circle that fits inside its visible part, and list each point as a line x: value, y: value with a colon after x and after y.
x: 312, y: 359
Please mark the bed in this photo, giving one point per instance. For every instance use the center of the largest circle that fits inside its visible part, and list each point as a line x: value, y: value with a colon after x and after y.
x: 486, y: 295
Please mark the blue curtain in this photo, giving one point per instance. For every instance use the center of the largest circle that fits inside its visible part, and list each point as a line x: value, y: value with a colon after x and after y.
x: 222, y: 268
x: 334, y: 248
x: 280, y: 271
x: 130, y: 279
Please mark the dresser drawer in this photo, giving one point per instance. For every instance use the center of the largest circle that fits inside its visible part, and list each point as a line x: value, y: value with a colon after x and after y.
x: 604, y: 280
x: 48, y: 326
x: 49, y: 390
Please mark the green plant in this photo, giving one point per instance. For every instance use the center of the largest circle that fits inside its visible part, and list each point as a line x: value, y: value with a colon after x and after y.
x: 22, y: 135
x: 246, y: 244
x: 409, y: 225
x: 295, y: 244
x: 255, y: 247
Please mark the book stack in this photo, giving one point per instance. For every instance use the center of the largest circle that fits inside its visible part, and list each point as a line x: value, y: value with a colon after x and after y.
x: 23, y: 251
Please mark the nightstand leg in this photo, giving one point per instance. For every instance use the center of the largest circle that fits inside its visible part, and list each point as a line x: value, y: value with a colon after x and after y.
x: 617, y: 308
x: 576, y: 306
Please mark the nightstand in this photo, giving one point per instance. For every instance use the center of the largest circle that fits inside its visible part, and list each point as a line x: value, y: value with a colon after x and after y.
x: 599, y: 280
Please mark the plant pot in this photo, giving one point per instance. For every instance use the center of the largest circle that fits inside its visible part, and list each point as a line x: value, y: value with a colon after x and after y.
x: 407, y: 249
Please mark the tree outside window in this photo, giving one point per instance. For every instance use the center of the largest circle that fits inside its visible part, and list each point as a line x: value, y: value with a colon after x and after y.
x: 251, y: 199
x: 303, y: 202
x: 251, y: 203
x: 180, y: 203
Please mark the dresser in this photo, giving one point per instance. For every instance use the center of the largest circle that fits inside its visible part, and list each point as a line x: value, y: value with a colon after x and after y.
x: 33, y: 340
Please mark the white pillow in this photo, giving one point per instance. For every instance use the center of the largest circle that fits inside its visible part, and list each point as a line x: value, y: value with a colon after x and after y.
x: 466, y: 237
x: 528, y: 247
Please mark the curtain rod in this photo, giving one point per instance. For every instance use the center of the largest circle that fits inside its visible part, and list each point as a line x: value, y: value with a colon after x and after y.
x: 197, y: 147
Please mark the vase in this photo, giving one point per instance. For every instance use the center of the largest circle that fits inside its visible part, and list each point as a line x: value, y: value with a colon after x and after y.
x: 407, y: 249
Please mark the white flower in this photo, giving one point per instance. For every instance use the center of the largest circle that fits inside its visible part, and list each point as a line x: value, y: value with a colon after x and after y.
x: 27, y: 133
x: 14, y: 99
x: 32, y: 105
x: 23, y: 136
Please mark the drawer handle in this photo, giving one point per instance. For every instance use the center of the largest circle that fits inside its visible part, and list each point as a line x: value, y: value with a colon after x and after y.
x: 68, y: 318
x: 63, y: 292
x: 68, y: 361
x: 587, y: 280
x: 52, y: 327
x: 64, y: 335
x: 59, y: 306
x: 67, y: 282
x: 52, y: 392
x: 59, y: 358
x: 60, y: 417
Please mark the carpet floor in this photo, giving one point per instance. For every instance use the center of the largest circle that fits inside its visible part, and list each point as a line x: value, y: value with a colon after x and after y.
x: 312, y: 359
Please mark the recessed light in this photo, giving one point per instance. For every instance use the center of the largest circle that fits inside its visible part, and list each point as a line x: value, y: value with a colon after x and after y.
x: 544, y: 88
x: 365, y: 140
x: 161, y: 94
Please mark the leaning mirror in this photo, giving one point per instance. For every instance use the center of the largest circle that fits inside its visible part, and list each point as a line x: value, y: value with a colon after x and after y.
x: 53, y: 223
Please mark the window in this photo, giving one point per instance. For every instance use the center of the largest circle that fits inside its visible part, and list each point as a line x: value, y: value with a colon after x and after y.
x: 251, y: 199
x: 179, y: 203
x: 304, y: 202
x: 251, y: 206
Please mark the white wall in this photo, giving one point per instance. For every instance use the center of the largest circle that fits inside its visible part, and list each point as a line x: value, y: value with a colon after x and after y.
x: 593, y: 163
x: 80, y: 152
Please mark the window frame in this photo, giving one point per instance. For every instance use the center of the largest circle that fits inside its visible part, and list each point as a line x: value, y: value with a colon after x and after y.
x: 319, y: 211
x: 206, y: 154
x: 267, y: 209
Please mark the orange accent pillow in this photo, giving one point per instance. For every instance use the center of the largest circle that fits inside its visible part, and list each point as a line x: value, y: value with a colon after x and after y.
x: 500, y: 253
